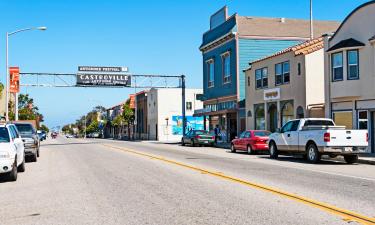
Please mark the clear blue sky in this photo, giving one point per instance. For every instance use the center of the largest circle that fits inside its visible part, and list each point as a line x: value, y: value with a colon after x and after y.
x: 148, y: 36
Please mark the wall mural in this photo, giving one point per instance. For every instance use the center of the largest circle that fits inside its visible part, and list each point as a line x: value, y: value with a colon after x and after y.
x: 192, y: 123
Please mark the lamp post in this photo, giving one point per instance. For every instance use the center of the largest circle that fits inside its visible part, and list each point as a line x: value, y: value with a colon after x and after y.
x: 311, y: 21
x: 7, y: 70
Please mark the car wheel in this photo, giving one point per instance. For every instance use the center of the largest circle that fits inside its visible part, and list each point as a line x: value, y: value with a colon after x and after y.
x: 34, y: 157
x: 182, y: 142
x: 250, y: 150
x: 21, y: 168
x: 38, y: 153
x: 13, y: 174
x: 232, y: 148
x: 274, y: 154
x: 350, y: 159
x: 313, y: 155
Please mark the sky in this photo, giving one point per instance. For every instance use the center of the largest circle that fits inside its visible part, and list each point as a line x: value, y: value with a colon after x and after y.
x: 148, y: 36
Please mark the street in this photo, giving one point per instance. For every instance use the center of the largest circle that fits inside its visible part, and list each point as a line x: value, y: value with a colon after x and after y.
x: 97, y: 181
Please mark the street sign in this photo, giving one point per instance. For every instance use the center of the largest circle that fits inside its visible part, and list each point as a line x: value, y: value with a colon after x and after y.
x: 14, y: 79
x: 106, y: 69
x: 95, y: 79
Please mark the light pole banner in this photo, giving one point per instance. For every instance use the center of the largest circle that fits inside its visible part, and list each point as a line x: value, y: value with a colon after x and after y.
x: 14, y: 79
x: 86, y: 79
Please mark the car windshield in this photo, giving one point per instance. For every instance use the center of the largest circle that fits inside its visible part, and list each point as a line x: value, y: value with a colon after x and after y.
x: 262, y: 133
x: 200, y: 132
x: 4, y: 135
x: 24, y: 128
x: 319, y: 123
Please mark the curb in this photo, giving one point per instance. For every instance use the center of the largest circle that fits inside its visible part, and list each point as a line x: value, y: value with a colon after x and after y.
x: 366, y: 161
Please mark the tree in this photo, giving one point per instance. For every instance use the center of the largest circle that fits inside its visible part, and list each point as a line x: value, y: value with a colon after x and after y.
x: 26, y: 109
x: 44, y: 128
x: 128, y: 115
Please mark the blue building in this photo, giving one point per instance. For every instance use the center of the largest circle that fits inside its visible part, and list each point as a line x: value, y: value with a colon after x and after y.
x: 228, y: 47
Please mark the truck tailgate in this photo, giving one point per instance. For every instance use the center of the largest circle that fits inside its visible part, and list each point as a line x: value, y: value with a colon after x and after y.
x: 348, y: 138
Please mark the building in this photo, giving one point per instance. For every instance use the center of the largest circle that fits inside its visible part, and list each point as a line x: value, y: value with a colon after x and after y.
x: 141, y: 115
x: 164, y: 113
x: 2, y: 100
x: 227, y: 48
x: 286, y: 85
x: 350, y: 71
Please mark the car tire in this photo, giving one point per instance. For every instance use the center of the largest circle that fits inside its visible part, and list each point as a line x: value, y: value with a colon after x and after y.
x: 38, y: 152
x: 232, y: 149
x: 313, y: 155
x: 274, y: 153
x: 250, y: 150
x: 182, y: 142
x: 350, y: 159
x: 34, y: 157
x: 13, y: 174
x: 21, y: 168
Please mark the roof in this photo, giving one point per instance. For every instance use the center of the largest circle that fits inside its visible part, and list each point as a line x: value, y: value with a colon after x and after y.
x: 283, y: 27
x: 347, y: 43
x: 354, y: 11
x: 299, y: 49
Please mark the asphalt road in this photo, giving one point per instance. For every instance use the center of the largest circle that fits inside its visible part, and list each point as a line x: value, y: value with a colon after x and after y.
x: 112, y: 182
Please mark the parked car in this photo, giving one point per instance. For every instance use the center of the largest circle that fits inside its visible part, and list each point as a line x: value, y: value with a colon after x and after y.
x: 30, y: 138
x: 12, y: 151
x: 69, y: 136
x: 316, y: 137
x: 198, y: 138
x: 251, y: 141
x: 42, y: 135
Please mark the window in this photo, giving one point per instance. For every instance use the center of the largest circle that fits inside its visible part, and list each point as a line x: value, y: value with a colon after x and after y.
x: 318, y: 123
x: 4, y: 135
x: 262, y: 133
x: 287, y: 113
x: 343, y: 119
x: 211, y: 73
x: 299, y: 69
x: 248, y: 81
x: 300, y: 113
x: 352, y: 64
x: 282, y: 73
x: 226, y: 67
x: 337, y: 67
x: 362, y: 120
x: 247, y: 134
x: 295, y: 125
x: 189, y: 106
x: 261, y: 78
x: 287, y: 127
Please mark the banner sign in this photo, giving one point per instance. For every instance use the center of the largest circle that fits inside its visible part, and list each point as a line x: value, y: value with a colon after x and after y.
x: 14, y: 78
x: 86, y: 79
x: 102, y: 69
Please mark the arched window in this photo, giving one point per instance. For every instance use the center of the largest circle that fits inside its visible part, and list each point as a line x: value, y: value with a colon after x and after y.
x: 260, y: 119
x: 287, y: 113
x: 300, y: 113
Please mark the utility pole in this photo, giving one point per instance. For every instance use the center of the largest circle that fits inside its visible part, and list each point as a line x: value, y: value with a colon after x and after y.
x: 311, y: 21
x: 6, y: 80
x: 183, y: 105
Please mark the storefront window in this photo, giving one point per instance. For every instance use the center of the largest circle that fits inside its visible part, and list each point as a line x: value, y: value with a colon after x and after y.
x: 260, y: 118
x: 300, y: 113
x: 343, y: 119
x: 362, y: 120
x: 287, y: 113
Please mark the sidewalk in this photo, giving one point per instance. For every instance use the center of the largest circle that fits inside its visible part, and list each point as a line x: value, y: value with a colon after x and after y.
x: 364, y: 159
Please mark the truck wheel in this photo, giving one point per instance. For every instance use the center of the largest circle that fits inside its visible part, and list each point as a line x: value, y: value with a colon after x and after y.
x: 21, y: 168
x: 350, y: 159
x: 34, y: 158
x: 313, y: 155
x: 274, y: 154
x: 232, y: 149
x: 13, y: 174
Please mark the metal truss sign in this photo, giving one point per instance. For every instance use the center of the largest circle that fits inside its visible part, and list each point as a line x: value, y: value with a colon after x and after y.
x: 95, y: 79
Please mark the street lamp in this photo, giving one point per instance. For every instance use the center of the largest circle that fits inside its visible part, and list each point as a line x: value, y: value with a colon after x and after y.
x: 7, y: 70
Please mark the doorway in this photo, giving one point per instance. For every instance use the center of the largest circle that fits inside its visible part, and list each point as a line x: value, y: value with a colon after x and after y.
x: 272, y: 117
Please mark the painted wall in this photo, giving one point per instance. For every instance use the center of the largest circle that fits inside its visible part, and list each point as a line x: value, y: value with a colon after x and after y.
x: 314, y: 69
x: 220, y: 89
x: 251, y: 50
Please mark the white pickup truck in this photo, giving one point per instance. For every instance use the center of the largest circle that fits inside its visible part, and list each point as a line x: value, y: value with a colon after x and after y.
x: 313, y: 138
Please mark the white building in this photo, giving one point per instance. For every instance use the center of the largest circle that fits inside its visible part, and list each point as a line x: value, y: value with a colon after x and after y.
x: 165, y: 113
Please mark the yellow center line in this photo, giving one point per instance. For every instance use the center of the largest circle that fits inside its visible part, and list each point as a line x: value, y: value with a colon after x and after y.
x: 347, y: 215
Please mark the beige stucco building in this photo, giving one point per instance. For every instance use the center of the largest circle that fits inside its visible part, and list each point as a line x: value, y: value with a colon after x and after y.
x: 350, y: 71
x: 286, y: 85
x: 2, y: 102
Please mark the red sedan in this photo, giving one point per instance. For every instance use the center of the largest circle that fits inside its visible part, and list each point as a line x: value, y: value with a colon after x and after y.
x: 250, y: 141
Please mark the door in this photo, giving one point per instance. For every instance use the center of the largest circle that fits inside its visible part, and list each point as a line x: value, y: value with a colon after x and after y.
x: 244, y: 139
x: 18, y: 144
x: 272, y: 112
x: 282, y: 143
x: 292, y: 136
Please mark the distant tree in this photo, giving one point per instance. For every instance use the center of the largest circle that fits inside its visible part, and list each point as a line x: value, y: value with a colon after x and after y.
x: 44, y: 128
x: 128, y: 115
x: 27, y: 109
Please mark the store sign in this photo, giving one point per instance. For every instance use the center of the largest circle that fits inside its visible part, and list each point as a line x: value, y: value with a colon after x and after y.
x: 94, y: 79
x: 105, y: 69
x: 14, y: 79
x: 272, y: 94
